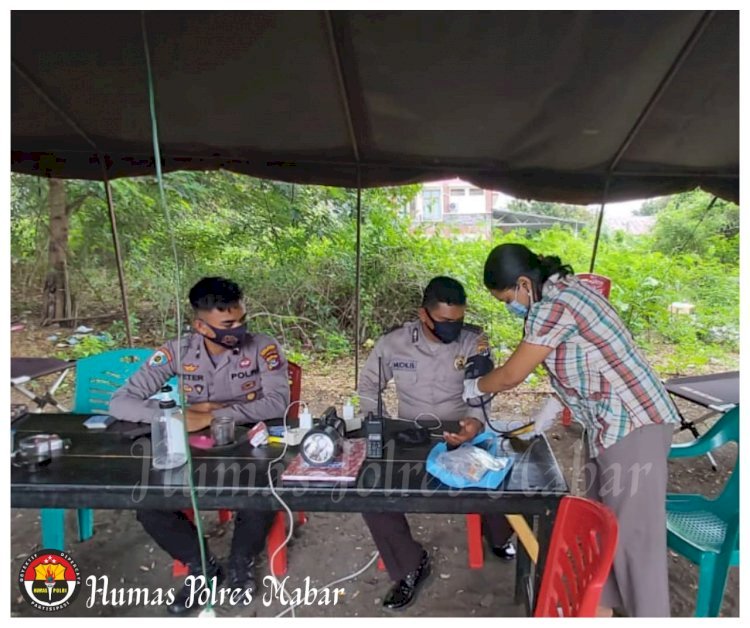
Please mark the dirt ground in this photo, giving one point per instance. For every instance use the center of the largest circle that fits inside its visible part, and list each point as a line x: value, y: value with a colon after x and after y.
x: 331, y: 546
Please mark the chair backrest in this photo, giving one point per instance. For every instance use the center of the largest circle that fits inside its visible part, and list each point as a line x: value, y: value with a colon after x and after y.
x: 99, y: 376
x: 580, y: 556
x: 295, y: 389
x: 728, y: 503
x: 598, y: 283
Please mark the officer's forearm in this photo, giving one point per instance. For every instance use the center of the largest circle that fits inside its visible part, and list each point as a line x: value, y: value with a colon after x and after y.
x: 271, y: 407
x: 126, y: 407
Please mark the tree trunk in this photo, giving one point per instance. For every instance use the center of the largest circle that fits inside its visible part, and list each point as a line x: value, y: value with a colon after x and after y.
x: 57, y: 298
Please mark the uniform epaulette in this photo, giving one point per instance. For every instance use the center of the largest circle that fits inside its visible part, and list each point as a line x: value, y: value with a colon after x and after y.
x: 475, y: 328
x: 394, y: 328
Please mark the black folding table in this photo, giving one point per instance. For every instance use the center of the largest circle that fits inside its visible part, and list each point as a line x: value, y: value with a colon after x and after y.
x: 25, y: 370
x: 719, y: 392
x: 107, y: 469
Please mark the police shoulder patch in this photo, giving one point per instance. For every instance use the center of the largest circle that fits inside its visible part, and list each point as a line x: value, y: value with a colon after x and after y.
x: 161, y: 357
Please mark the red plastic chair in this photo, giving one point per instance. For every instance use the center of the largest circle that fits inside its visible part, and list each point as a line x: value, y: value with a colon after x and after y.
x: 602, y: 285
x: 278, y: 531
x: 583, y: 545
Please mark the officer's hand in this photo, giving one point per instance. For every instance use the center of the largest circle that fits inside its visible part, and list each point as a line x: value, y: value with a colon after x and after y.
x: 206, y: 406
x: 196, y: 420
x: 470, y: 427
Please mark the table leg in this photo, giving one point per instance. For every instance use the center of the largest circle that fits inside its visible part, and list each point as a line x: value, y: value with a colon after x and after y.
x: 544, y: 536
x: 690, y: 426
x: 523, y: 576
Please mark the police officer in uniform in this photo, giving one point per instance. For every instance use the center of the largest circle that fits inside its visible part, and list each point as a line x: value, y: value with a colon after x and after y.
x: 226, y: 372
x: 426, y: 359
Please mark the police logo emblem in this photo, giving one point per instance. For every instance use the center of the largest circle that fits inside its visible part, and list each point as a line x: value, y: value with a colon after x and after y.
x: 190, y: 368
x: 160, y: 358
x: 199, y: 388
x: 49, y: 580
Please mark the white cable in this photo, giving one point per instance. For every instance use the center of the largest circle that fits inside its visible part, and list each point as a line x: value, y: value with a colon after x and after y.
x: 289, y: 512
x: 335, y: 582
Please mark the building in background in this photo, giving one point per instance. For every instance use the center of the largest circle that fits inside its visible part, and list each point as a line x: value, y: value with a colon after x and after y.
x: 454, y: 206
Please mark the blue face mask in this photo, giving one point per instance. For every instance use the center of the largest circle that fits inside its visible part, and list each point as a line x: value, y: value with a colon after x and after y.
x: 516, y: 308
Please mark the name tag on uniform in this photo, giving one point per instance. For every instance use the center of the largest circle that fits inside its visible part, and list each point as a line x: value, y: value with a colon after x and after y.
x: 404, y: 365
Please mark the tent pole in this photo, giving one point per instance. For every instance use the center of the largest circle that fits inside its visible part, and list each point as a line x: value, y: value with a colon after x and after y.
x: 118, y: 259
x: 105, y: 179
x: 358, y: 281
x: 599, y: 225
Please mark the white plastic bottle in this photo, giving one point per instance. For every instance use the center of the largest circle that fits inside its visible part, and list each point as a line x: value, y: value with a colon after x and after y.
x: 305, y: 418
x: 167, y: 436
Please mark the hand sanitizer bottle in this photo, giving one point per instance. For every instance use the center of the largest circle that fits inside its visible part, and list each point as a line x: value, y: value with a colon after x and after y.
x: 167, y: 435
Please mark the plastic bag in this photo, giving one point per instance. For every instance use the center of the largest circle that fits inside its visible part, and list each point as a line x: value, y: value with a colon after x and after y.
x: 470, y: 463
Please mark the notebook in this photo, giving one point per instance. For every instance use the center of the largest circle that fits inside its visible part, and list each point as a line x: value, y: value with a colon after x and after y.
x: 343, y: 469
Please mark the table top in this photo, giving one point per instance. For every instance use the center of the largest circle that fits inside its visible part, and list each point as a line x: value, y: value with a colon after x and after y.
x: 107, y: 469
x: 32, y: 368
x: 720, y: 391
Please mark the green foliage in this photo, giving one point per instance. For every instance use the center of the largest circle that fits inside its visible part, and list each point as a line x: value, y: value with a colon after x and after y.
x: 653, y: 206
x: 89, y: 345
x: 692, y: 223
x: 292, y: 248
x: 558, y: 210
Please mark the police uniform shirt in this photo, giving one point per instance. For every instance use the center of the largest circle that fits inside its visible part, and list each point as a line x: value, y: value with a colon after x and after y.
x: 429, y: 375
x: 251, y: 379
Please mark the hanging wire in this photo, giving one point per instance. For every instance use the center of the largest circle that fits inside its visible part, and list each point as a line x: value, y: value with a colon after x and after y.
x: 177, y: 297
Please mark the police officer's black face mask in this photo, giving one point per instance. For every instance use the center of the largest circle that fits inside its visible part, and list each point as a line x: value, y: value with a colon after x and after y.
x: 446, y: 331
x: 227, y: 338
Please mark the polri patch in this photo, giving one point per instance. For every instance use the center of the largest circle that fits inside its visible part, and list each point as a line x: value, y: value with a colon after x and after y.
x: 199, y: 388
x: 160, y: 358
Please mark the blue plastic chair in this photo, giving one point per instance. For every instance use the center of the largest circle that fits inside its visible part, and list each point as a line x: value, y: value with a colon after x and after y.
x: 97, y: 378
x: 706, y: 531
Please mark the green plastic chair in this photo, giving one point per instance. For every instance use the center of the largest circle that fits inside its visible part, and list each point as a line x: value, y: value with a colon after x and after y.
x: 97, y: 378
x: 706, y: 531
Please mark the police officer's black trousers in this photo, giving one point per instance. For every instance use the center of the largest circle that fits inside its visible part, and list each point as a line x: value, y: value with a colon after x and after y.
x: 401, y: 553
x: 177, y: 535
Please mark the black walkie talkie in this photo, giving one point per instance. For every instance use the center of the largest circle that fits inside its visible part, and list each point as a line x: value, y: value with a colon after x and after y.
x: 374, y: 424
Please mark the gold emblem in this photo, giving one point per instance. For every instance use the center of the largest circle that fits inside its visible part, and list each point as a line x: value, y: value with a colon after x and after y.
x: 459, y: 363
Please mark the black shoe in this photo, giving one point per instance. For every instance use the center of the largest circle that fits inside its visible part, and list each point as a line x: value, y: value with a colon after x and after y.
x: 242, y: 574
x: 404, y: 592
x: 180, y: 604
x: 506, y: 552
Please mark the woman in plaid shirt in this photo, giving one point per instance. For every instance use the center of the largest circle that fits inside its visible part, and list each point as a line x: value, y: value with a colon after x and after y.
x: 598, y: 372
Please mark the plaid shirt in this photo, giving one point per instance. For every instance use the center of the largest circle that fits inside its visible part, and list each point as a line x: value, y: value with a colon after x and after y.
x: 595, y: 367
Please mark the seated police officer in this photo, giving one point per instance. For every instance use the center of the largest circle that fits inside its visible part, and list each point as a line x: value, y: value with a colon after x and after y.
x: 226, y: 371
x: 426, y: 358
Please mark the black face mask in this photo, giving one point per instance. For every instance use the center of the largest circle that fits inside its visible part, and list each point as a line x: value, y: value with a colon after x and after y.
x: 448, y: 331
x: 227, y: 338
